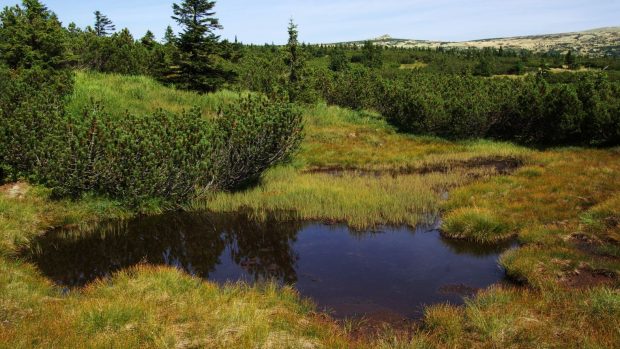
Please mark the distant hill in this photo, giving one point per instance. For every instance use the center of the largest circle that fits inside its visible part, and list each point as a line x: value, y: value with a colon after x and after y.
x: 595, y: 42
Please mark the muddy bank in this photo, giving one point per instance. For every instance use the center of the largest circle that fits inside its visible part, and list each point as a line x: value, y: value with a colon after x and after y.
x: 500, y: 165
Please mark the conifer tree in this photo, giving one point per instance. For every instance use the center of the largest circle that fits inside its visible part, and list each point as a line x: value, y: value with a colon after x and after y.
x: 31, y: 36
x: 148, y: 40
x: 199, y: 46
x: 293, y: 59
x: 103, y: 25
x: 169, y: 37
x: 570, y: 60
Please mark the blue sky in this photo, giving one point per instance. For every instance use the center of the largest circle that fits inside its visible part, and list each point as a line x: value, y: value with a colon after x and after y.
x: 344, y: 20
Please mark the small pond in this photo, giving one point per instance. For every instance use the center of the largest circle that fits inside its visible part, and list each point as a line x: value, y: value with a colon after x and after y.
x: 346, y: 272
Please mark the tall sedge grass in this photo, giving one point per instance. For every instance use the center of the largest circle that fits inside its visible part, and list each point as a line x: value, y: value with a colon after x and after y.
x: 360, y: 201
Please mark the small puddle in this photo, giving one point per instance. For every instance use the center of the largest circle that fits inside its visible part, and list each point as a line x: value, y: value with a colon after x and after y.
x: 347, y: 273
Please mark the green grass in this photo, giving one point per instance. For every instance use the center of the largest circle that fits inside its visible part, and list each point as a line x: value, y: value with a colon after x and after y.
x: 479, y: 225
x: 160, y: 307
x: 27, y: 211
x: 360, y: 201
x: 139, y: 95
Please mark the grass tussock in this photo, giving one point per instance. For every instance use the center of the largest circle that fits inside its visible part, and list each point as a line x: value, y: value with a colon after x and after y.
x: 476, y: 224
x: 564, y: 210
x: 360, y: 201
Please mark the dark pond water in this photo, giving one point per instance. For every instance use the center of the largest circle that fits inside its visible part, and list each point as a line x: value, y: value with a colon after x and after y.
x: 346, y: 272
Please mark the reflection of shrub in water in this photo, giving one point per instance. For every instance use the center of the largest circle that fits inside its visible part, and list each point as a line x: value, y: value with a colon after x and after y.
x: 189, y: 241
x: 264, y: 248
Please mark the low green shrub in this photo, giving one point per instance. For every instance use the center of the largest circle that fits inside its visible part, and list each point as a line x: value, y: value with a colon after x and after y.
x: 251, y: 136
x: 528, y: 111
x: 133, y: 158
x: 31, y: 107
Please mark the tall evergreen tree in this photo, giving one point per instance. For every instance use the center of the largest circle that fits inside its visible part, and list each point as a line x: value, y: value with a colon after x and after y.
x: 169, y: 37
x: 103, y: 25
x: 570, y: 60
x: 148, y: 40
x: 293, y: 59
x: 199, y: 46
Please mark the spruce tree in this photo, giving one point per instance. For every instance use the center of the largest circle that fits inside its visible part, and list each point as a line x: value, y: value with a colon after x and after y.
x: 169, y: 37
x: 148, y: 40
x: 293, y: 59
x: 199, y: 46
x: 103, y: 25
x: 570, y: 60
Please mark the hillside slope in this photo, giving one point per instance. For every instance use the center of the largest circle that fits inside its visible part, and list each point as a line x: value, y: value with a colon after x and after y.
x: 595, y: 42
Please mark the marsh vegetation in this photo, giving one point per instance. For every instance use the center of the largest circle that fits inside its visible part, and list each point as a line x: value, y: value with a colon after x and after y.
x: 335, y: 141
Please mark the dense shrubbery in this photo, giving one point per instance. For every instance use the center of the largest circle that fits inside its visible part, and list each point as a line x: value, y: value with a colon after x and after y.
x: 528, y: 110
x: 31, y: 105
x: 250, y: 136
x: 133, y: 158
x: 137, y: 158
x: 537, y: 109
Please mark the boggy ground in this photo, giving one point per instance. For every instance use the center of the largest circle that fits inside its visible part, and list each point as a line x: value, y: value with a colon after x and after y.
x: 562, y: 205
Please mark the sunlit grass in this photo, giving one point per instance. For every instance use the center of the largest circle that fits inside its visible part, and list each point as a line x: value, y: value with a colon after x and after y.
x: 360, y: 201
x: 342, y: 138
x: 479, y: 225
x: 139, y: 95
x: 160, y: 307
x: 565, y: 211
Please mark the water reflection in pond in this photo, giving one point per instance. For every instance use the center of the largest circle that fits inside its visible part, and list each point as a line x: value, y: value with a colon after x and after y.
x: 395, y: 270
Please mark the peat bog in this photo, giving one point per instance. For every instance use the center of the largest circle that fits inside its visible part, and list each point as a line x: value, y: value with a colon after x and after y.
x: 348, y: 273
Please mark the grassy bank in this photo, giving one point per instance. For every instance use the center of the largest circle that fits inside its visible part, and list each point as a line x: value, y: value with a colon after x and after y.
x: 142, y: 307
x: 355, y: 168
x: 563, y: 205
